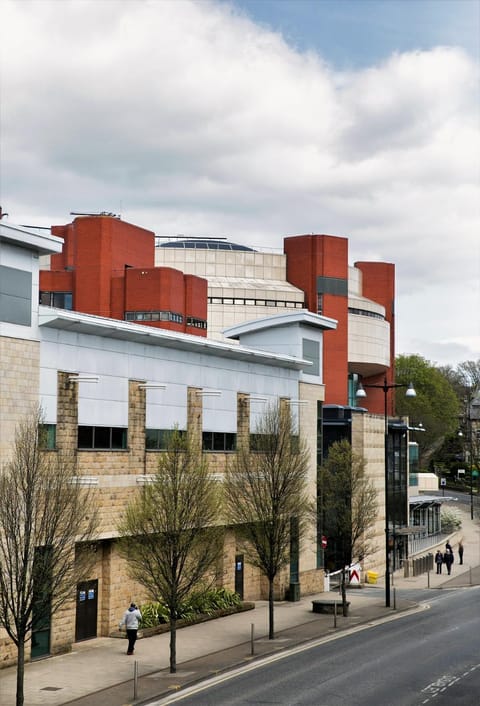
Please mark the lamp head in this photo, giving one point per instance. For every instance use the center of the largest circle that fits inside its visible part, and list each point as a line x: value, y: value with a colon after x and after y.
x: 360, y: 393
x: 410, y: 391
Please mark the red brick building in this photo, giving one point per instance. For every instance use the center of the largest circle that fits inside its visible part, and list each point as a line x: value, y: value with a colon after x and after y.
x: 107, y: 268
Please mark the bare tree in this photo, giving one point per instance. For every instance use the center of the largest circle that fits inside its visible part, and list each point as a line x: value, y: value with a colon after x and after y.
x: 349, y: 506
x: 170, y: 533
x: 265, y: 490
x: 45, y: 516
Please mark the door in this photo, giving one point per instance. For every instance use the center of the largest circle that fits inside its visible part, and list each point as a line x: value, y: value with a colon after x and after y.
x: 239, y: 575
x: 86, y: 613
x: 41, y: 620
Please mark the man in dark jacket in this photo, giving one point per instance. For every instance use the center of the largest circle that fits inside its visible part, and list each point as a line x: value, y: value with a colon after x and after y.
x: 448, y: 558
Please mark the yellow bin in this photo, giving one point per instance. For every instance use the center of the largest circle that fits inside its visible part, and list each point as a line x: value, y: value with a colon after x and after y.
x: 372, y: 577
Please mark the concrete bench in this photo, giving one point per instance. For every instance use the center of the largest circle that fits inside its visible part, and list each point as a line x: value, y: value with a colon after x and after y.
x: 327, y: 605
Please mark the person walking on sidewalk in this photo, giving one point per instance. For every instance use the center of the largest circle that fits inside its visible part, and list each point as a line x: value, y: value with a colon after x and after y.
x: 460, y: 552
x: 439, y: 561
x: 448, y: 558
x: 131, y: 619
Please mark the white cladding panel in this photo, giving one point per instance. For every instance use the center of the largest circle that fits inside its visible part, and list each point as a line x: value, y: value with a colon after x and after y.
x: 23, y: 259
x: 115, y: 362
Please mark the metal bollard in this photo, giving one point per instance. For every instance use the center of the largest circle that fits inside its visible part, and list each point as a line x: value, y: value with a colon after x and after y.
x: 394, y: 599
x: 135, y: 680
x: 335, y: 614
x: 252, y: 637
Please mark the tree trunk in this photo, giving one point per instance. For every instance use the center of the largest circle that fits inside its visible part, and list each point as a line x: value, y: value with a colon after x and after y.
x: 344, y: 593
x: 173, y: 645
x: 20, y: 671
x: 271, y: 630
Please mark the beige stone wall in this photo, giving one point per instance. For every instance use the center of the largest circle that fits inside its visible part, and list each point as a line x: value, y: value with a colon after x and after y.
x: 368, y: 440
x: 19, y: 394
x: 114, y: 478
x: 19, y: 387
x: 311, y: 396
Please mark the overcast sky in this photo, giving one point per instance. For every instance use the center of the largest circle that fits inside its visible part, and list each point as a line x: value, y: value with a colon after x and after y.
x: 257, y: 119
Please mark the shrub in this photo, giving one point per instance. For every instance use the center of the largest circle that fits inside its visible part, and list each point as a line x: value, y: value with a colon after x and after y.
x: 202, y: 602
x: 450, y: 521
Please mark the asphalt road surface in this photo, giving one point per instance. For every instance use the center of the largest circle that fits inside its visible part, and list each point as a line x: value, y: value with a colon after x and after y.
x: 430, y: 657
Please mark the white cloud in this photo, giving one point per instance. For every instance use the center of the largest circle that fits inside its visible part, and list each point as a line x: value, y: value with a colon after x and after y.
x: 187, y: 117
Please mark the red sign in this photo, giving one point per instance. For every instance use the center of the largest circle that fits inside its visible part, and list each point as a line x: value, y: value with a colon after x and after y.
x: 324, y: 542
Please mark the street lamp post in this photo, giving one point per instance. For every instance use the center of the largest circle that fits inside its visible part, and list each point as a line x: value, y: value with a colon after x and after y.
x: 386, y: 387
x: 468, y: 452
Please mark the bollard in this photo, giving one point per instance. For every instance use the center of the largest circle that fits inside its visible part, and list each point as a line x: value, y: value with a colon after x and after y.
x: 335, y: 614
x: 470, y: 571
x: 135, y: 680
x: 428, y: 578
x: 252, y: 636
x: 394, y: 599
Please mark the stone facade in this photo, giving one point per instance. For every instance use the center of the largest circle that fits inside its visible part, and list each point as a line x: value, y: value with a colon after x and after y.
x: 19, y: 386
x: 114, y: 477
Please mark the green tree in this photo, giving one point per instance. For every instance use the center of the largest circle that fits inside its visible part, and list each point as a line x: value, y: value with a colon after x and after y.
x: 436, y: 405
x: 46, y: 517
x: 265, y: 491
x: 170, y: 533
x: 349, y: 506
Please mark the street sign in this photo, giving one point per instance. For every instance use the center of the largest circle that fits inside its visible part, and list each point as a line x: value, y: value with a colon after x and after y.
x: 324, y: 542
x: 443, y: 481
x: 475, y: 474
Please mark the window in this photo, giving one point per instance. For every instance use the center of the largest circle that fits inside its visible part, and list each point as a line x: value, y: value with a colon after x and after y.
x: 261, y: 442
x: 102, y: 437
x: 153, y: 316
x: 160, y: 438
x: 196, y: 323
x: 365, y: 312
x: 218, y: 441
x: 60, y: 300
x: 47, y: 436
x: 311, y: 351
x: 15, y: 296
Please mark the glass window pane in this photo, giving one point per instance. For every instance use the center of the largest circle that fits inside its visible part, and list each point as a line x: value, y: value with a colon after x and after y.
x: 101, y: 438
x: 85, y: 437
x: 119, y: 438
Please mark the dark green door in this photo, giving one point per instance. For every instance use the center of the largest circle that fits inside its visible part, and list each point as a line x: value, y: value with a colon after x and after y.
x: 40, y: 632
x: 41, y: 611
x: 86, y: 614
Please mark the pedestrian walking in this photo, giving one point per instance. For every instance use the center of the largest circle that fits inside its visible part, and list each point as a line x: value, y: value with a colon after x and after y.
x: 460, y: 552
x: 448, y: 558
x: 131, y: 620
x: 439, y: 561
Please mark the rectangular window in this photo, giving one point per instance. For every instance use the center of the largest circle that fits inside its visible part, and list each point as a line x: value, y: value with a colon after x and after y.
x: 218, y: 441
x: 47, y: 436
x: 160, y: 438
x: 102, y: 437
x: 60, y: 300
x: 15, y: 296
x: 311, y: 352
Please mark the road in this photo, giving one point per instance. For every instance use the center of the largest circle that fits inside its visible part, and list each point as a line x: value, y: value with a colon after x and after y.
x: 430, y: 657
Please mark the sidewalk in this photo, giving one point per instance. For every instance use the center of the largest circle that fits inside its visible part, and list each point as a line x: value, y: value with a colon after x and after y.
x: 99, y: 673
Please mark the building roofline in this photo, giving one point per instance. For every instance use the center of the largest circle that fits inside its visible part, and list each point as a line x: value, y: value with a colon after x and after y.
x: 301, y: 316
x: 111, y: 328
x: 31, y: 239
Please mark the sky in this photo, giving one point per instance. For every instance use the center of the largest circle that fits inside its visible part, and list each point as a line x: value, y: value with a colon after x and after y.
x: 258, y: 119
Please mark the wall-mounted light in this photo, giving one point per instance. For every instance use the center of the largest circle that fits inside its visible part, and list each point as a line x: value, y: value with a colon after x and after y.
x: 209, y: 393
x: 299, y: 403
x: 257, y: 398
x: 83, y: 378
x: 152, y: 386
